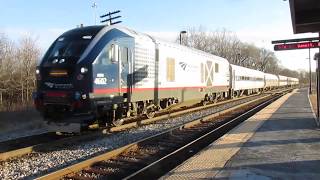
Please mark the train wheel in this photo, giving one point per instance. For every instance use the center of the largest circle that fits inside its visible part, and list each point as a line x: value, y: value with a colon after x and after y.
x: 215, y: 100
x: 118, y: 122
x: 150, y: 113
x: 203, y: 103
x: 150, y: 110
x: 164, y: 104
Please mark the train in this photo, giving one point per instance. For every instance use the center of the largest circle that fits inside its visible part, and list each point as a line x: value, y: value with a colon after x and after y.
x: 105, y: 74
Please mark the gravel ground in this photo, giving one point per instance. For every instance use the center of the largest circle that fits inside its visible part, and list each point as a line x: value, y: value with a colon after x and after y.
x: 39, y: 163
x: 21, y: 124
x: 21, y: 133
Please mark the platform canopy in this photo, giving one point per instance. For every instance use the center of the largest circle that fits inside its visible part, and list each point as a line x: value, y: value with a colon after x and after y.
x: 305, y: 15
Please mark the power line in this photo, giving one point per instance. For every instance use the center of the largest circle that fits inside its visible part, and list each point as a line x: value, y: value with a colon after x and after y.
x: 110, y: 16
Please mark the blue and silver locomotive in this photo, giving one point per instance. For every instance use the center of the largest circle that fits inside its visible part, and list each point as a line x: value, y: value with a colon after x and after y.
x: 81, y: 65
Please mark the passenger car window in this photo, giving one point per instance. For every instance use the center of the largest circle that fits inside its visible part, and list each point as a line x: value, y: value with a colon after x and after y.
x: 216, y: 67
x: 202, y: 73
x: 170, y: 69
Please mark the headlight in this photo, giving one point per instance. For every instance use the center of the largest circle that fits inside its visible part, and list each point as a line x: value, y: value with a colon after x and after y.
x: 38, y: 76
x: 55, y: 61
x: 84, y: 70
x: 62, y: 61
x: 84, y: 96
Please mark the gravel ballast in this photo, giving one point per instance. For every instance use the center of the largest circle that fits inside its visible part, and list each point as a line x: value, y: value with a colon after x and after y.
x: 40, y: 163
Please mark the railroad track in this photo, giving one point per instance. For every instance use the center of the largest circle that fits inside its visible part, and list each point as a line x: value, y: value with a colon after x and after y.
x: 188, y: 110
x: 24, y: 145
x: 42, y: 142
x: 152, y: 157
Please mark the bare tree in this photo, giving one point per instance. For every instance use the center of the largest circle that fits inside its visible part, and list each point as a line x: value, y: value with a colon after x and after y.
x: 28, y: 53
x: 221, y: 42
x: 17, y: 66
x: 7, y: 66
x: 226, y: 44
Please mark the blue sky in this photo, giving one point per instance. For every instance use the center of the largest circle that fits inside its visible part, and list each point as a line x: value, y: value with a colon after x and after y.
x: 144, y: 14
x: 254, y: 21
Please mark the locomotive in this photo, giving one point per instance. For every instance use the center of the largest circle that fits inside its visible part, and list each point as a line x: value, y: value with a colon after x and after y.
x: 106, y: 74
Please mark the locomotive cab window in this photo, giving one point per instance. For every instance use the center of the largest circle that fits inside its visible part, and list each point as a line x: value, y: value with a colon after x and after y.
x: 111, y: 54
x: 124, y: 53
x: 106, y: 55
x: 114, y: 53
x: 103, y: 58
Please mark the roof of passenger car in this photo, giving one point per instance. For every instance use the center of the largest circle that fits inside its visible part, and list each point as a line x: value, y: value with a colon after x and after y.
x: 146, y: 37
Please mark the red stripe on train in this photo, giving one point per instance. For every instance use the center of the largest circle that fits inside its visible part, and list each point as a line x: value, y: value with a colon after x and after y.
x: 115, y: 90
x: 56, y: 94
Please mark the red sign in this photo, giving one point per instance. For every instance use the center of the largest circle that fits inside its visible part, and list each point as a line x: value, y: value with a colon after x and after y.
x: 304, y: 45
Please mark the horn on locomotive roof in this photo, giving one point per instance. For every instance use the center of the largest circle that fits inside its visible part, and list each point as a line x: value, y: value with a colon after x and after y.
x: 110, y: 18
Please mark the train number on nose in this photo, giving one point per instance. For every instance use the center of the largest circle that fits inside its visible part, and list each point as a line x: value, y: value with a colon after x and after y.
x: 100, y: 80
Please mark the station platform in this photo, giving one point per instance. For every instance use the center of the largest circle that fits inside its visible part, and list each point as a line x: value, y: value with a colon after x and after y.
x: 282, y: 141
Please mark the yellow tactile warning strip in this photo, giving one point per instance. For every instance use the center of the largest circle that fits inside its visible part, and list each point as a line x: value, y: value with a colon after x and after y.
x: 208, y: 162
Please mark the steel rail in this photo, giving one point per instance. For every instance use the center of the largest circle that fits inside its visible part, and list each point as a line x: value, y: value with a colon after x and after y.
x: 24, y: 145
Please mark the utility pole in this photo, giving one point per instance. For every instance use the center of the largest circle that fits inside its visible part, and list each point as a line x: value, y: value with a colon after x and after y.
x: 94, y: 6
x: 310, y: 81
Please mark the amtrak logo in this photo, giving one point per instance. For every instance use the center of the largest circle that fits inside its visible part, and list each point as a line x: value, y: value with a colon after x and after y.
x: 58, y: 86
x: 188, y: 67
x: 183, y: 65
x: 49, y: 84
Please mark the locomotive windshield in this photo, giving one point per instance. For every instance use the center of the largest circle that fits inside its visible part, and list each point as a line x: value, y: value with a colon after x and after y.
x: 71, y: 44
x: 69, y: 47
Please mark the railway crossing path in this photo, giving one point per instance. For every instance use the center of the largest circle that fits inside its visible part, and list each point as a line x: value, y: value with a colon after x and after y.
x: 281, y: 141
